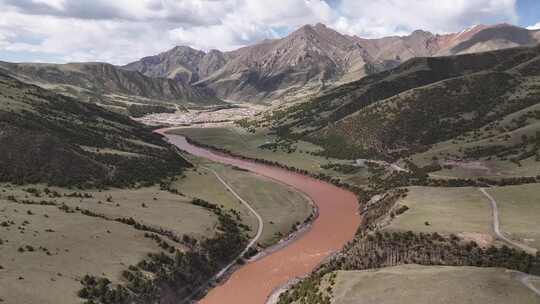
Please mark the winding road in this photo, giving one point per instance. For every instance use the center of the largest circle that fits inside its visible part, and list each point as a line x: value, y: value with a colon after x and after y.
x: 260, y: 226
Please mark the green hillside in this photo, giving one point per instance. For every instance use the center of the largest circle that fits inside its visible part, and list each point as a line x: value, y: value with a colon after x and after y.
x: 46, y: 137
x: 110, y: 86
x: 423, y: 102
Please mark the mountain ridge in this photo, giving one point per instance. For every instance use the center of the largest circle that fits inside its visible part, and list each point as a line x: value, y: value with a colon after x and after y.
x: 108, y: 85
x: 315, y: 57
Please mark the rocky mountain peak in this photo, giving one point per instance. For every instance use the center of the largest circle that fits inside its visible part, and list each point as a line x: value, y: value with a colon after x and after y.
x: 316, y: 55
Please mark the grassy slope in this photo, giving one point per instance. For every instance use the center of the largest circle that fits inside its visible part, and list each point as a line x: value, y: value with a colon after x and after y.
x: 78, y: 245
x: 237, y: 140
x: 507, y: 132
x: 280, y: 206
x: 108, y: 85
x: 466, y: 212
x: 431, y: 284
x: 423, y: 102
x: 89, y: 245
x: 347, y: 99
x: 81, y: 244
x: 448, y: 210
x: 45, y: 137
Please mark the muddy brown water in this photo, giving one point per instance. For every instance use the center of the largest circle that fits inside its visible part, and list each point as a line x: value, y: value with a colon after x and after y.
x: 336, y: 225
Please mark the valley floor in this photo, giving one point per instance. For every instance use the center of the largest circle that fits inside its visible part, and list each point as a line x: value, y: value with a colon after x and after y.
x: 462, y: 211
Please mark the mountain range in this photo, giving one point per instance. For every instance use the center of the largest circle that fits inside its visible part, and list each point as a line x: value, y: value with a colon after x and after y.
x: 305, y: 63
x: 316, y: 57
x: 108, y: 85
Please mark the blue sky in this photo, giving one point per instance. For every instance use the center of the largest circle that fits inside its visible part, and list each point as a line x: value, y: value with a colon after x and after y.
x: 528, y: 12
x: 121, y: 31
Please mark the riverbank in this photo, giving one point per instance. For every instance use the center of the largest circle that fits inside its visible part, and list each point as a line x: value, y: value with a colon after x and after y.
x: 337, y: 223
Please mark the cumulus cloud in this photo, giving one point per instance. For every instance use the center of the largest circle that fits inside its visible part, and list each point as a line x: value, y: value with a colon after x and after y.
x: 124, y: 30
x: 534, y: 27
x: 387, y: 17
x: 251, y: 21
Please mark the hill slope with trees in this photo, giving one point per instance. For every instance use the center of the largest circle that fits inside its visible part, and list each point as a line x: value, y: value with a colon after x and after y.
x: 50, y: 138
x: 422, y: 102
x: 108, y: 85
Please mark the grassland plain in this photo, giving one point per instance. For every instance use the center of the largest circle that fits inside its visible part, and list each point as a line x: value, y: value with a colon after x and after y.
x: 466, y: 212
x: 280, y: 206
x: 429, y: 284
x: 45, y: 252
x: 444, y: 210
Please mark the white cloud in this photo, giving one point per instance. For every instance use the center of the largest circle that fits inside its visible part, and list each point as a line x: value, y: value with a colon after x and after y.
x: 534, y: 27
x: 251, y: 21
x: 124, y: 30
x: 386, y: 17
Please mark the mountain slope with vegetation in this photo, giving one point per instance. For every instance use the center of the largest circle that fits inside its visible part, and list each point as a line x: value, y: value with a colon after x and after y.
x: 109, y: 85
x: 420, y: 103
x: 181, y: 62
x: 50, y: 138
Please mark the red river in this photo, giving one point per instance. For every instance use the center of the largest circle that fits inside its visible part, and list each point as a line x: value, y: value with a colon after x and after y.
x: 336, y: 225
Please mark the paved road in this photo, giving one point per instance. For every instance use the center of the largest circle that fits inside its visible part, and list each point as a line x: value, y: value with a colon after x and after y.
x: 259, y: 219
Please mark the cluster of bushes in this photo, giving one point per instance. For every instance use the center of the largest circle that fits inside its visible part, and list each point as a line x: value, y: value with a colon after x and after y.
x: 376, y: 250
x: 161, y: 243
x: 140, y: 110
x: 342, y: 168
x: 281, y: 144
x: 338, y: 146
x: 143, y: 227
x: 100, y: 290
x: 307, y: 291
x: 248, y: 124
x: 373, y: 211
x: 202, y: 203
